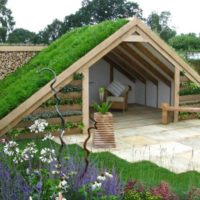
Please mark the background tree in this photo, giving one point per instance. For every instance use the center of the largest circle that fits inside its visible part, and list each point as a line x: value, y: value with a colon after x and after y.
x: 51, y: 32
x: 6, y: 21
x: 160, y: 24
x: 185, y: 42
x: 24, y: 36
x: 91, y: 12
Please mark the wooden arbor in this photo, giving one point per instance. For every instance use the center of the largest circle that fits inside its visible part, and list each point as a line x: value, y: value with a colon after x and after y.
x: 128, y: 41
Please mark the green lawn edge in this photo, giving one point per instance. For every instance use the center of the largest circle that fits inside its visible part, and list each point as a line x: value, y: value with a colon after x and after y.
x: 59, y: 55
x: 146, y: 172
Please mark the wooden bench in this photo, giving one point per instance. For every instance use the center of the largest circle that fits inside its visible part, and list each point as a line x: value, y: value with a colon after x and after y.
x: 166, y: 109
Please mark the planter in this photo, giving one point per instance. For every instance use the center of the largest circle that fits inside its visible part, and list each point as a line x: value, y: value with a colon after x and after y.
x: 52, y: 121
x: 75, y: 107
x: 72, y: 131
x: 104, y: 134
x: 189, y: 99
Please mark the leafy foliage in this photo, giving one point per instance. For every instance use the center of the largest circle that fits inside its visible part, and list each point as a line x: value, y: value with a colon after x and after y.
x: 22, y: 36
x: 20, y: 85
x: 52, y: 114
x: 63, y: 101
x: 185, y: 42
x: 160, y: 24
x: 103, y: 108
x: 91, y: 12
x: 71, y: 88
x: 6, y: 21
x: 189, y: 89
x: 78, y: 76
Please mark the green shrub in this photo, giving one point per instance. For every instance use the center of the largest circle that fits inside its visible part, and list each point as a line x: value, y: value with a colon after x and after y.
x: 103, y: 108
x: 189, y: 89
x: 135, y: 195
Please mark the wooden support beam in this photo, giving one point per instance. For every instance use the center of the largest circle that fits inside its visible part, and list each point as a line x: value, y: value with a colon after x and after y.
x: 126, y: 59
x: 176, y: 92
x: 126, y: 67
x: 147, y: 65
x: 134, y: 38
x: 120, y: 69
x: 154, y: 59
x: 85, y: 99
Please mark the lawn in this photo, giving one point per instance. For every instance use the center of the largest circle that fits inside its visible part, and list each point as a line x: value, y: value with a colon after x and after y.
x: 146, y: 172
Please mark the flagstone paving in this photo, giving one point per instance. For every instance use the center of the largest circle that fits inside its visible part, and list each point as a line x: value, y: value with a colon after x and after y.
x: 175, y: 146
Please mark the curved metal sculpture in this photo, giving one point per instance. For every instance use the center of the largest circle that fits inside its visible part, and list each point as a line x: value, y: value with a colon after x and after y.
x: 63, y: 124
x: 62, y: 131
x: 87, y: 150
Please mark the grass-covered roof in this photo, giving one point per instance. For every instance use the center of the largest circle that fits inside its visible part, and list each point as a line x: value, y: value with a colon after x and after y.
x: 62, y: 53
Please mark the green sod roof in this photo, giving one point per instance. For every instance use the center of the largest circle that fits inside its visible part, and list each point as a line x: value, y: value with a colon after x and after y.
x: 62, y: 53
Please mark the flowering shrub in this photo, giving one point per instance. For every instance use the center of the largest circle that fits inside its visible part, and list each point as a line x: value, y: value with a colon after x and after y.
x: 164, y: 192
x: 48, y: 177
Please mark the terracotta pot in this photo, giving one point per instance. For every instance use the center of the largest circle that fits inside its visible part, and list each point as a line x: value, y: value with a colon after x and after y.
x: 104, y: 134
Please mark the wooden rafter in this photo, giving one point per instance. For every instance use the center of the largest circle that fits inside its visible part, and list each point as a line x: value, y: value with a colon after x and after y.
x: 126, y: 59
x: 147, y: 65
x: 120, y: 69
x: 154, y: 59
x: 126, y: 67
x: 167, y: 52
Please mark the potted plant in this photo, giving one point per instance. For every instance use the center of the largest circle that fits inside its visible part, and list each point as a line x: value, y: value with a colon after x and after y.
x: 101, y: 93
x: 104, y: 134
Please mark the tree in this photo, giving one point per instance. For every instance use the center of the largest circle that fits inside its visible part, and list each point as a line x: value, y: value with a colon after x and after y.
x: 185, y: 42
x: 100, y: 10
x: 6, y: 21
x: 91, y: 12
x: 160, y: 24
x: 21, y: 35
x: 51, y: 32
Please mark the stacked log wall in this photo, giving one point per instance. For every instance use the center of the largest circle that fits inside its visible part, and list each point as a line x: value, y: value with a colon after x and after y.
x: 13, y: 57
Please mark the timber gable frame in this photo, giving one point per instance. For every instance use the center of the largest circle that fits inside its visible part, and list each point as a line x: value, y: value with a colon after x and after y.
x: 133, y: 31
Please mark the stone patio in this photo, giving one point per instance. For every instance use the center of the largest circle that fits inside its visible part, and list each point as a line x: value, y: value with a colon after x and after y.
x: 141, y: 136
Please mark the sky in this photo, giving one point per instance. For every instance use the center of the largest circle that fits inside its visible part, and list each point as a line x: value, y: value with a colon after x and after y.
x: 34, y: 15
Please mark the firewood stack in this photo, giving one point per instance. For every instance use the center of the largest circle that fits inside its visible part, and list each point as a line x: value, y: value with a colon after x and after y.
x: 10, y: 61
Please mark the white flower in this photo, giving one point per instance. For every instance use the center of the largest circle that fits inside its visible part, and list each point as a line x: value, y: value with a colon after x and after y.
x: 101, y: 178
x: 63, y: 185
x: 38, y: 126
x: 108, y: 175
x: 47, y: 155
x: 11, y: 148
x: 55, y: 172
x: 48, y: 137
x: 18, y: 158
x: 60, y: 197
x: 96, y: 185
x: 29, y: 151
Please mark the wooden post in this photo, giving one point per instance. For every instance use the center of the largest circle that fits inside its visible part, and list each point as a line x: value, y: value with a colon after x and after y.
x: 176, y: 91
x: 85, y: 99
x: 165, y: 117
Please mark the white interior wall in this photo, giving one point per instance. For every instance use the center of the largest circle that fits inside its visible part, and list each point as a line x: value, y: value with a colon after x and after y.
x: 151, y: 93
x: 100, y: 76
x: 139, y: 92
